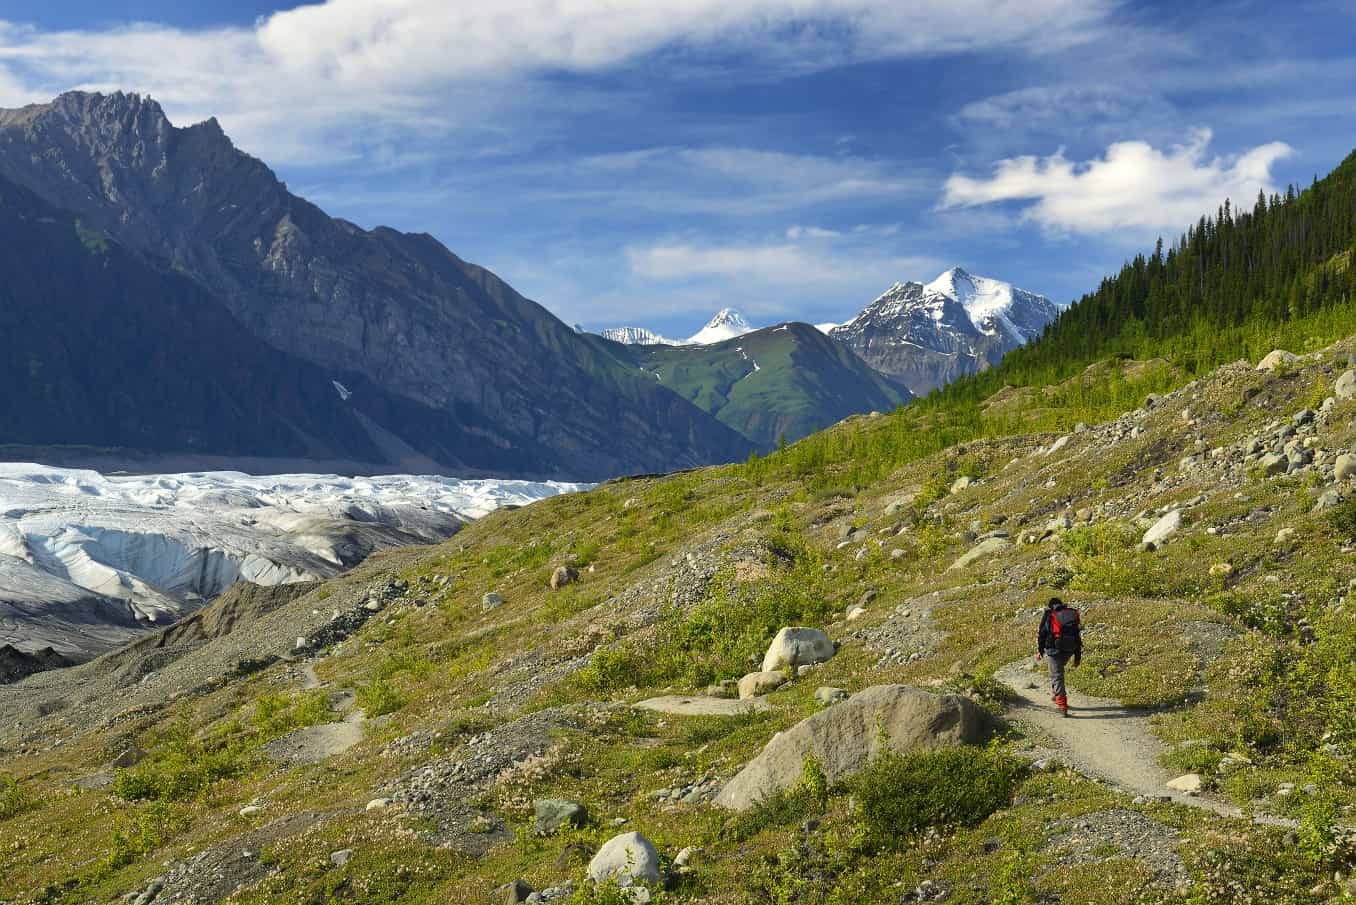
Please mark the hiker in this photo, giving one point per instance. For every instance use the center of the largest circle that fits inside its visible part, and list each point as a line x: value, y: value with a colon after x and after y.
x: 1060, y: 638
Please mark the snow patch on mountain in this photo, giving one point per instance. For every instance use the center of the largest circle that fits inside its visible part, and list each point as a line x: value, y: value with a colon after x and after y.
x: 727, y: 324
x: 929, y: 334
x: 87, y: 560
x: 636, y: 336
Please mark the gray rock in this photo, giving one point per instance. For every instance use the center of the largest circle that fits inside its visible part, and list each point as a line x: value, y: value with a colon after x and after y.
x: 962, y: 483
x: 982, y: 550
x: 129, y: 757
x: 1276, y: 360
x: 491, y: 601
x: 797, y: 646
x: 1273, y: 464
x: 1163, y: 529
x: 341, y: 857
x: 1346, y: 386
x: 845, y: 737
x: 1327, y: 500
x: 515, y: 893
x: 630, y: 857
x: 552, y: 814
x: 1345, y: 467
x: 756, y: 684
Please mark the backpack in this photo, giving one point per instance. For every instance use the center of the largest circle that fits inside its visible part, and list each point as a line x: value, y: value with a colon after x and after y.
x: 1064, y: 628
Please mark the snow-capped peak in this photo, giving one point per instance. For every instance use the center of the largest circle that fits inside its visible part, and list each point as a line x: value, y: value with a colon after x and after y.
x: 727, y: 324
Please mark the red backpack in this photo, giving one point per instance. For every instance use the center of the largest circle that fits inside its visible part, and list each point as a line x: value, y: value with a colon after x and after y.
x: 1065, y: 628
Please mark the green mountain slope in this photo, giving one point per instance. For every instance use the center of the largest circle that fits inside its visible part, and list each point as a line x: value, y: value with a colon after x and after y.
x: 779, y: 383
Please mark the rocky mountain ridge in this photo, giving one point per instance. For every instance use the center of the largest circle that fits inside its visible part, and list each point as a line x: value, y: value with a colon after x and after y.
x: 927, y: 335
x: 486, y: 376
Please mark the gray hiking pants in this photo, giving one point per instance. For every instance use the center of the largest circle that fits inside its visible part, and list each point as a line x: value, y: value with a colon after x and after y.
x: 1056, y: 662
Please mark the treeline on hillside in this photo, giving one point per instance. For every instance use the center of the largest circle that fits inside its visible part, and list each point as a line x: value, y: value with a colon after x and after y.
x: 1237, y: 277
x: 1233, y: 286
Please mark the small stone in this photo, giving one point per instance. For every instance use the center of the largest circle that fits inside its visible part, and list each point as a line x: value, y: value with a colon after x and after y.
x: 964, y: 482
x: 378, y: 804
x: 1276, y: 360
x: 1346, y: 386
x: 856, y: 613
x: 630, y: 857
x: 302, y: 642
x: 491, y: 601
x: 341, y: 857
x: 1188, y: 783
x: 250, y: 810
x: 1163, y: 529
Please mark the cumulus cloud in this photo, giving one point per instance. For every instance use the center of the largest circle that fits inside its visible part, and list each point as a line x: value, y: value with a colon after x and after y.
x: 296, y: 79
x: 1133, y: 185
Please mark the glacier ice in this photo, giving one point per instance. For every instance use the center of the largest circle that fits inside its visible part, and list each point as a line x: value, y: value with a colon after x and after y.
x: 88, y: 560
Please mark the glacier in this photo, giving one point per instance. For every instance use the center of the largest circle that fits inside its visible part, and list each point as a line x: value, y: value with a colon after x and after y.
x: 89, y: 560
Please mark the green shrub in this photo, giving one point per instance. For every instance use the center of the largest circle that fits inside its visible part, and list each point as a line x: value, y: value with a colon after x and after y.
x: 898, y: 795
x: 13, y: 799
x: 181, y: 766
x: 379, y: 697
x: 277, y: 714
x: 1342, y: 517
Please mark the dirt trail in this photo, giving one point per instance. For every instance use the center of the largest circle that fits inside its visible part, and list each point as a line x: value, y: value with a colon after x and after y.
x: 1101, y: 738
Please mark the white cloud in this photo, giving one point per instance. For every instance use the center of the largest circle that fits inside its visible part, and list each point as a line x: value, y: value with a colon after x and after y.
x: 301, y: 80
x: 1134, y: 185
x: 787, y: 264
x: 796, y: 233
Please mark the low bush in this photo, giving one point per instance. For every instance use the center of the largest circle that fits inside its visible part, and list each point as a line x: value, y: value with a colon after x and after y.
x: 380, y: 697
x: 14, y: 800
x: 181, y: 766
x: 898, y: 795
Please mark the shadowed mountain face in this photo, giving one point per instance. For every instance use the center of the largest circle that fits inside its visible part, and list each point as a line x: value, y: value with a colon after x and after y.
x: 436, y: 360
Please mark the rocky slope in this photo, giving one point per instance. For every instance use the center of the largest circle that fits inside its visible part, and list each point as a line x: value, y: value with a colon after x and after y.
x: 559, y: 677
x: 927, y: 335
x: 424, y: 357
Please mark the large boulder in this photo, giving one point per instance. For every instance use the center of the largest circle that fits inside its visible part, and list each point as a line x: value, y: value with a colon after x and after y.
x: 797, y: 646
x: 630, y: 857
x: 1276, y: 360
x: 845, y: 737
x: 1164, y: 528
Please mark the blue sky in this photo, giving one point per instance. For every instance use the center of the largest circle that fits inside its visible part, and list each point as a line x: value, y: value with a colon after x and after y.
x: 650, y: 162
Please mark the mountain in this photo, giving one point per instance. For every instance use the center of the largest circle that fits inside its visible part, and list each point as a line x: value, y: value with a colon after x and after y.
x: 927, y: 335
x: 727, y: 324
x: 636, y: 336
x: 207, y: 311
x: 777, y: 383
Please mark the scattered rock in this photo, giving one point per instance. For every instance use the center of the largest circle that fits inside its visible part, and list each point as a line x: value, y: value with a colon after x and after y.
x: 1345, y: 467
x: 1273, y: 464
x: 630, y: 857
x: 250, y: 810
x: 129, y: 757
x: 1328, y: 499
x: 491, y: 601
x: 554, y: 813
x: 757, y: 684
x: 843, y: 738
x: 341, y: 857
x: 797, y: 646
x: 681, y: 705
x: 378, y: 804
x: 856, y: 613
x: 964, y: 482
